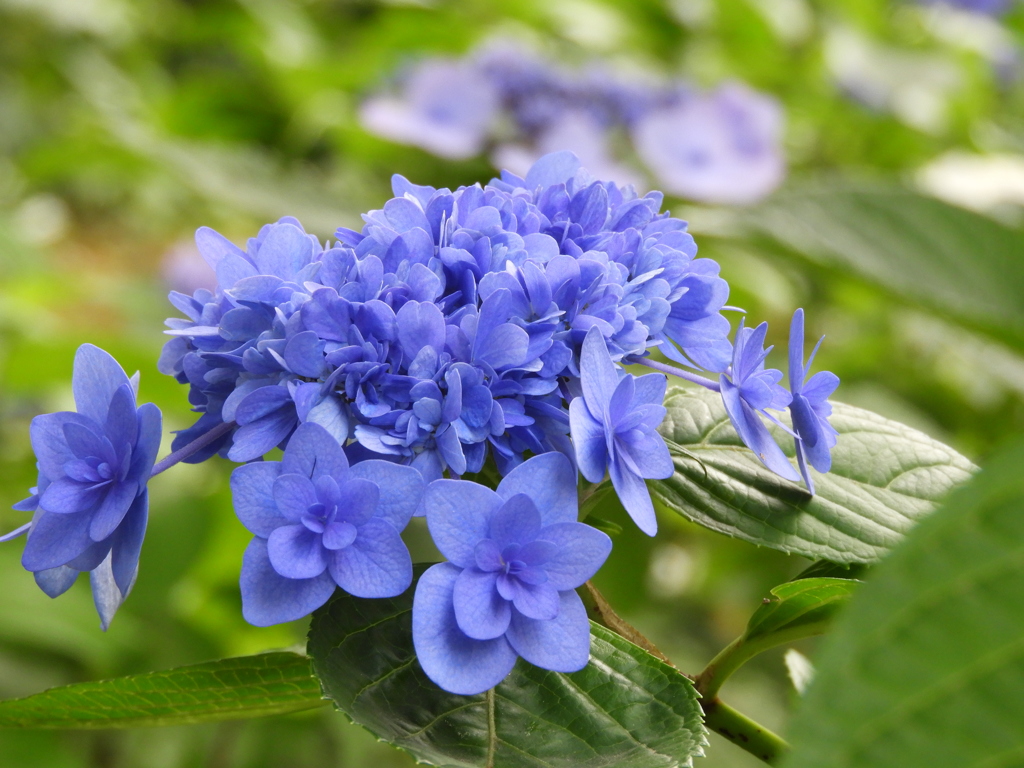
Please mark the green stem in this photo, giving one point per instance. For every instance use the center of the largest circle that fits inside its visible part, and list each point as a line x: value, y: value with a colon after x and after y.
x: 743, y: 732
x: 741, y: 650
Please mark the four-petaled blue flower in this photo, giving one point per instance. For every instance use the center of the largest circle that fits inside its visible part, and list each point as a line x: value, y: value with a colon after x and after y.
x: 515, y: 557
x: 91, y: 505
x: 319, y: 523
x: 810, y: 408
x: 614, y: 427
x: 748, y: 388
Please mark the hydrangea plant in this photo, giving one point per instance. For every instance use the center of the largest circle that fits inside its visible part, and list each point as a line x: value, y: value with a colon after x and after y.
x: 491, y: 359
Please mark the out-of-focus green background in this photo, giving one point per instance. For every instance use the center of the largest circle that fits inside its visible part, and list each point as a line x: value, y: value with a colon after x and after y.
x: 126, y: 125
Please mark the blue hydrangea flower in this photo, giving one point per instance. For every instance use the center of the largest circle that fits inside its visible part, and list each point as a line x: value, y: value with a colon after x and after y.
x: 720, y: 147
x: 448, y: 330
x: 515, y: 556
x: 91, y: 504
x: 987, y: 7
x: 810, y: 408
x: 748, y: 388
x: 614, y: 428
x: 319, y: 523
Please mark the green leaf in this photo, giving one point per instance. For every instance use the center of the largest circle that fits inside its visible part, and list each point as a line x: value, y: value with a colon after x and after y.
x: 885, y: 477
x: 800, y: 608
x: 626, y: 708
x: 946, y: 258
x: 926, y: 668
x: 796, y: 609
x: 230, y: 689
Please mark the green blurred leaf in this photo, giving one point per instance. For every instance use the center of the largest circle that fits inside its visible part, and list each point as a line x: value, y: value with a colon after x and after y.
x: 823, y: 569
x: 957, y: 262
x: 885, y: 477
x: 927, y: 666
x: 626, y: 708
x: 251, y: 686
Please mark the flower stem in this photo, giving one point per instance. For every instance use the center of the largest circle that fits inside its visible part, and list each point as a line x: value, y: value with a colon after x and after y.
x: 196, y: 445
x: 743, y: 732
x: 673, y: 371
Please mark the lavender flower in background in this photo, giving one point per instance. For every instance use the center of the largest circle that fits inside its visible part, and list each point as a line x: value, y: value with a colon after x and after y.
x: 719, y: 147
x: 446, y: 107
x: 91, y: 504
x: 748, y: 388
x: 515, y: 556
x: 319, y: 523
x: 810, y: 408
x: 614, y: 428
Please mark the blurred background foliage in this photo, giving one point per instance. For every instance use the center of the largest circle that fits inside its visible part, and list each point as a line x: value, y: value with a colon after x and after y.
x: 124, y: 125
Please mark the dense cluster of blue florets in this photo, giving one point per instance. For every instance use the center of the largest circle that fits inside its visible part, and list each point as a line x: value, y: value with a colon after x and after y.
x: 450, y: 327
x: 489, y: 324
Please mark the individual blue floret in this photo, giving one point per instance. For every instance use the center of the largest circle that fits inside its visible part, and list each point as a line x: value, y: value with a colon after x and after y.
x: 748, y: 388
x: 810, y: 408
x: 614, y: 429
x: 91, y: 504
x: 515, y: 557
x: 319, y: 524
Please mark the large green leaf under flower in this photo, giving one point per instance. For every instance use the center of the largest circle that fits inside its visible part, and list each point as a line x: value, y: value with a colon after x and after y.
x: 885, y: 477
x: 626, y: 708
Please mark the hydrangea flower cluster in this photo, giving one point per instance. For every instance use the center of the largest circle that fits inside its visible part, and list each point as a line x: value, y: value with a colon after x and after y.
x: 722, y: 146
x: 486, y: 327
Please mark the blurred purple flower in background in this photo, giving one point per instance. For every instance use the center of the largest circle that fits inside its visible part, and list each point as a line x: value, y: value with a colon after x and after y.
x: 718, y: 147
x: 987, y: 7
x: 446, y: 107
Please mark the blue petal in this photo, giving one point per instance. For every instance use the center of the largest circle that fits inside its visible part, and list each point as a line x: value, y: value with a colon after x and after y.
x: 635, y: 498
x: 313, y: 452
x: 479, y: 610
x: 284, y: 252
x: 598, y: 374
x: 148, y: 445
x: 65, y: 496
x: 252, y: 493
x: 796, y: 352
x: 536, y: 601
x: 420, y: 325
x: 122, y: 424
x: 269, y: 598
x: 581, y: 551
x: 458, y: 516
x: 95, y: 379
x: 126, y: 543
x: 106, y: 595
x: 296, y: 552
x: 401, y: 489
x: 359, y: 500
x: 457, y: 663
x: 56, y: 540
x: 112, y: 510
x: 214, y: 247
x: 561, y: 644
x: 753, y: 432
x: 376, y: 565
x: 56, y: 581
x: 646, y: 454
x: 589, y: 440
x: 515, y: 522
x: 48, y: 441
x: 554, y: 168
x: 548, y: 479
x: 257, y: 438
x: 294, y: 495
